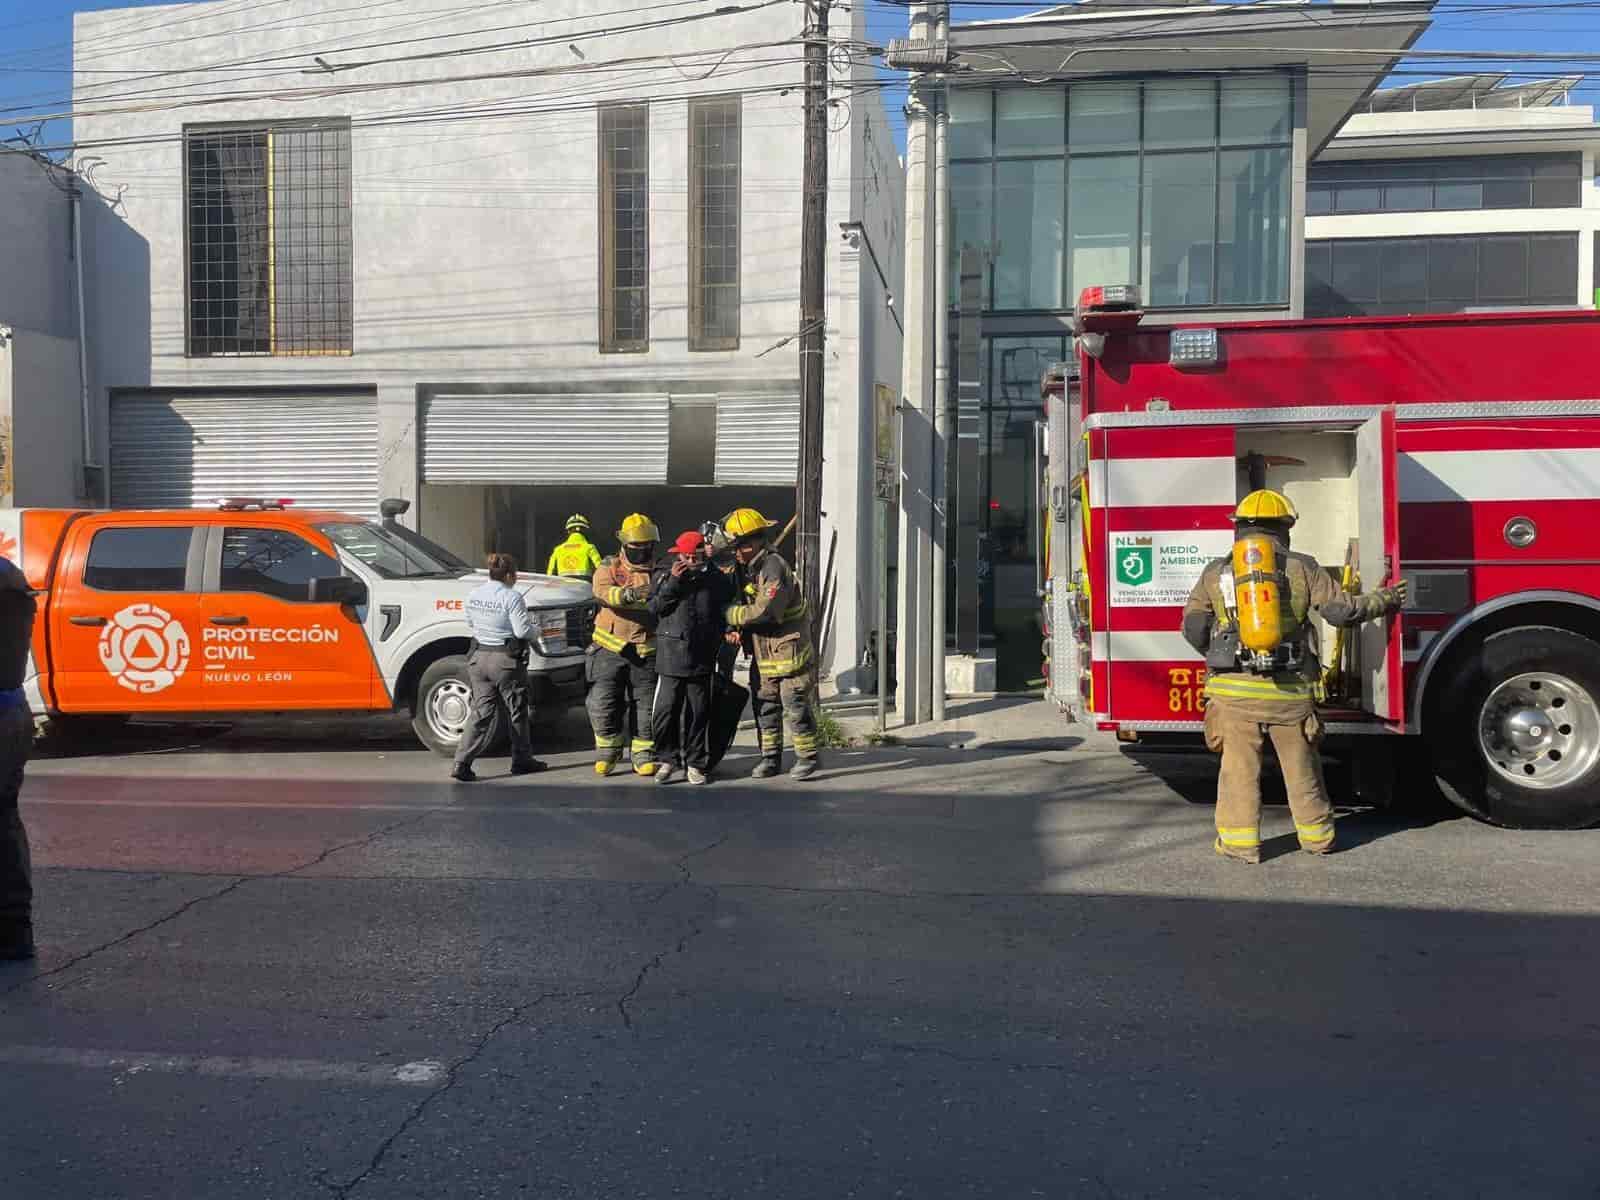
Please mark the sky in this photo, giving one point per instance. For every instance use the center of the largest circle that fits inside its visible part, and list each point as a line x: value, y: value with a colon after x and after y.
x: 36, y: 37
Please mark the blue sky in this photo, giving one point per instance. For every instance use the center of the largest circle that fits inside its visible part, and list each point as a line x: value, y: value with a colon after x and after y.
x: 35, y: 40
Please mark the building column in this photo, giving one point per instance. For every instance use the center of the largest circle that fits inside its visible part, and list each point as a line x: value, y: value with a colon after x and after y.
x: 399, y: 462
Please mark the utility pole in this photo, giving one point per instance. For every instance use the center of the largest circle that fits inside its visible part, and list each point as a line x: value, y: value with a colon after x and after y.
x: 813, y: 308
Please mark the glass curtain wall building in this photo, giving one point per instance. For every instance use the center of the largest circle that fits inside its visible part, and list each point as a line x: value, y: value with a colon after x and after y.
x: 1182, y: 185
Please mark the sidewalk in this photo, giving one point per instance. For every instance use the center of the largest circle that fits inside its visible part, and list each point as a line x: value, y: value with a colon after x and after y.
x: 1000, y: 721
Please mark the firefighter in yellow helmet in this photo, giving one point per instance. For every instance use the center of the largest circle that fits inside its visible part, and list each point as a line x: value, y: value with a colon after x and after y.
x: 621, y: 662
x: 1251, y: 616
x: 772, y: 612
x: 577, y: 557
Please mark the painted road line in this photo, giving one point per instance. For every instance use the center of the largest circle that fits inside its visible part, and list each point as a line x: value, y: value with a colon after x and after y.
x: 426, y: 1072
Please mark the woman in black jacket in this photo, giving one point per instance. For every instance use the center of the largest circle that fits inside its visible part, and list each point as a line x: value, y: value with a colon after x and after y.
x: 688, y: 598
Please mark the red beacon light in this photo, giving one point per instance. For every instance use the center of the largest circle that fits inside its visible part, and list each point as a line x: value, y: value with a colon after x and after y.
x: 1110, y: 309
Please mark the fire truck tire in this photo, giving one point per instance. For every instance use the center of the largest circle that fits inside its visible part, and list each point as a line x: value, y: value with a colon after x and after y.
x: 1515, y: 730
x: 443, y: 704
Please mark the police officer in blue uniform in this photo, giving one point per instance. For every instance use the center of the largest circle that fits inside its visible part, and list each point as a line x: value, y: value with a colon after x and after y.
x: 498, y: 670
x: 16, y: 740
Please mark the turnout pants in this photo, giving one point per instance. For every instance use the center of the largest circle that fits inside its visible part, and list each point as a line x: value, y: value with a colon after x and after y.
x: 1238, y: 728
x: 681, y: 719
x: 498, y: 679
x: 622, y: 689
x: 788, y: 700
x: 16, y: 872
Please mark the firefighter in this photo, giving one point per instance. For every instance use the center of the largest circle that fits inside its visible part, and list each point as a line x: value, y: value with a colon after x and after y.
x: 621, y: 663
x: 773, y: 614
x: 1250, y: 615
x: 577, y: 557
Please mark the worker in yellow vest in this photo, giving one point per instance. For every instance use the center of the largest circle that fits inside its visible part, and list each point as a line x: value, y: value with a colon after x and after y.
x: 1251, y: 616
x: 577, y: 557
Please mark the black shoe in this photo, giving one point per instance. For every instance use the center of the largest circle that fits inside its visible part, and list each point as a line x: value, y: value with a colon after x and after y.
x: 532, y: 767
x: 463, y: 775
x: 18, y: 946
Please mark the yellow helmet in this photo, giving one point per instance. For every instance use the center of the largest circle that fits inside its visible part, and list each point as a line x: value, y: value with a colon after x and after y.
x: 743, y: 522
x: 1266, y: 505
x: 636, y: 528
x: 577, y: 521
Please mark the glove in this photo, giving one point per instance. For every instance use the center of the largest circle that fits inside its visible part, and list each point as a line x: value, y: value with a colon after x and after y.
x: 1394, y: 598
x: 630, y: 595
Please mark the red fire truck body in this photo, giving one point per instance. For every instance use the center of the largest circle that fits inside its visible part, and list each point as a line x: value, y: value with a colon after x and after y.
x: 1460, y: 452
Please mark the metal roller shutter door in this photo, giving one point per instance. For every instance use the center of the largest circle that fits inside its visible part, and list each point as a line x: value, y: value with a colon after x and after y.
x: 557, y: 438
x: 758, y: 438
x: 183, y: 451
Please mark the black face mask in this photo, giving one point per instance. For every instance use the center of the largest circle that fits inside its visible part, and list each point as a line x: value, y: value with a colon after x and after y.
x: 639, y: 556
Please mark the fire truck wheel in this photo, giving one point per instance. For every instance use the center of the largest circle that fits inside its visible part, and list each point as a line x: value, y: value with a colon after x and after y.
x: 1515, y: 732
x: 443, y: 705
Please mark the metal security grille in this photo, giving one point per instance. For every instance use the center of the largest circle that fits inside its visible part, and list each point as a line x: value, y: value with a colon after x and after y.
x: 269, y: 240
x: 179, y: 450
x: 714, y: 224
x: 758, y: 438
x: 546, y: 438
x: 625, y: 228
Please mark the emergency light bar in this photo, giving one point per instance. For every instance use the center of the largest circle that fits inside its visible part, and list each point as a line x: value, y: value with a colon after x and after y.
x: 1114, y: 308
x: 251, y: 503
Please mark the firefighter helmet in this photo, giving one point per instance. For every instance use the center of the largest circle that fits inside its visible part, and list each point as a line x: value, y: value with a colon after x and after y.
x: 1266, y: 505
x: 577, y: 521
x: 638, y: 529
x: 745, y: 522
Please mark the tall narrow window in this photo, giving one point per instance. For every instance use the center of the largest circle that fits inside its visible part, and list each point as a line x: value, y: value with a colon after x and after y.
x: 714, y: 224
x: 269, y: 240
x: 625, y: 228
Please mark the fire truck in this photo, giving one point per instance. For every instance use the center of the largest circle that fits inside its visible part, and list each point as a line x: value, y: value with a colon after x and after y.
x: 1460, y: 452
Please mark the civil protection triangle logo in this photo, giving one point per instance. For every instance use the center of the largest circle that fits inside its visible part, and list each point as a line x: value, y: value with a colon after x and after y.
x: 145, y: 649
x: 1135, y: 561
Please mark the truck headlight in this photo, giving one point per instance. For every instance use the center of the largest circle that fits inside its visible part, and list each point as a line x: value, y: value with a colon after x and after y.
x: 552, y: 636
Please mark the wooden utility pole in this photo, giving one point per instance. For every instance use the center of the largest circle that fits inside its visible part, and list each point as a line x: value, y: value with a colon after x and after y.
x: 813, y: 307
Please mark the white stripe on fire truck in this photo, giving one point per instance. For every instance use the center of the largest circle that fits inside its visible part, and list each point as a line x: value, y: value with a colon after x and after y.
x: 1142, y: 646
x: 1435, y: 475
x: 1155, y: 482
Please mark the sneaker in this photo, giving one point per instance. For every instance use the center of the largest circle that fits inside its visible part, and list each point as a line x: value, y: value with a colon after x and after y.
x: 463, y: 774
x: 666, y: 774
x: 603, y: 768
x: 18, y: 946
x: 696, y: 776
x: 532, y: 767
x: 765, y: 769
x: 1253, y: 857
x: 646, y: 769
x: 804, y: 768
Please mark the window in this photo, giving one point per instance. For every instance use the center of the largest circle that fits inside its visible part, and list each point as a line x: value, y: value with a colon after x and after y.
x: 714, y: 224
x: 1445, y: 184
x: 395, y: 553
x: 625, y: 228
x: 1180, y: 185
x: 272, y: 562
x: 1393, y: 276
x: 269, y: 240
x: 154, y: 559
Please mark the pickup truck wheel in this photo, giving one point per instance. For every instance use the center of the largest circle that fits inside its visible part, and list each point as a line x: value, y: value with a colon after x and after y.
x: 444, y: 706
x: 1515, y: 734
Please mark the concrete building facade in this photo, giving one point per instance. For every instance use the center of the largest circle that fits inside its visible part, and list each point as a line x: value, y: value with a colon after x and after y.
x: 507, y: 263
x: 1456, y: 194
x: 41, y: 443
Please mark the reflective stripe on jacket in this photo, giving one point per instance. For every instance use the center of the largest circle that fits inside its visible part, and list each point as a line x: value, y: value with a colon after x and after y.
x: 776, y: 617
x: 624, y: 622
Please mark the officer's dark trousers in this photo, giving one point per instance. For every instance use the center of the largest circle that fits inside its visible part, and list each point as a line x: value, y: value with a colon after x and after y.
x: 682, y: 719
x: 622, y: 689
x: 498, y: 679
x: 16, y: 875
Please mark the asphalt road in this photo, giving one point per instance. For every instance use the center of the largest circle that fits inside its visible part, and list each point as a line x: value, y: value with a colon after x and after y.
x: 271, y: 968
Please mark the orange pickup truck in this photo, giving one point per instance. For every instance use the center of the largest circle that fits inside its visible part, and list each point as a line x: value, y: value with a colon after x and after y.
x: 258, y: 607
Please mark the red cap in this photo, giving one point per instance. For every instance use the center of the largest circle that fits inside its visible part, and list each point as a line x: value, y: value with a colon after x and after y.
x: 688, y: 543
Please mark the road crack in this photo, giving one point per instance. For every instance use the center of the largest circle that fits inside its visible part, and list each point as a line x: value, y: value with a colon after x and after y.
x: 235, y: 883
x: 696, y: 928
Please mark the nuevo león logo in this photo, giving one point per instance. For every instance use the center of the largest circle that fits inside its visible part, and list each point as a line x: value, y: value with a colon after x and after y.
x: 145, y: 649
